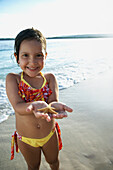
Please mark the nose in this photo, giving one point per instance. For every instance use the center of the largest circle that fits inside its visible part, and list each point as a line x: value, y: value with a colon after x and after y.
x: 32, y: 61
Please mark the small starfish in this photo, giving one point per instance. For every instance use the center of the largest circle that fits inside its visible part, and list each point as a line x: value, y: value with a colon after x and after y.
x: 48, y: 109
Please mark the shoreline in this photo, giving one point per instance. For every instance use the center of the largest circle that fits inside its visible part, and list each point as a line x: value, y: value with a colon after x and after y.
x: 86, y: 132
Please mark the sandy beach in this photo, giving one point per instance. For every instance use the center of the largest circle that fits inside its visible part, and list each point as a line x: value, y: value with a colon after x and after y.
x: 87, y: 133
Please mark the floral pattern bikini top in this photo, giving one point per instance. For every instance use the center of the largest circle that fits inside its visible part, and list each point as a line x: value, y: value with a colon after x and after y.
x: 29, y: 94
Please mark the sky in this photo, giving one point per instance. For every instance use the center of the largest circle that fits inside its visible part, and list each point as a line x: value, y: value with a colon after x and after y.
x: 56, y: 17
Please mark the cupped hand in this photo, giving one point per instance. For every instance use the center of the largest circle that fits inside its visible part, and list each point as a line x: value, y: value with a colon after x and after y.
x: 61, y: 108
x: 34, y: 106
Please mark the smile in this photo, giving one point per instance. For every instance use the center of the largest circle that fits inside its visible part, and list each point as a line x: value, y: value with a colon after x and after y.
x: 32, y: 69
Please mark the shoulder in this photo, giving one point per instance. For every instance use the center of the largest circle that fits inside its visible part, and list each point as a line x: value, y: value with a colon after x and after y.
x: 52, y: 81
x: 13, y: 77
x: 50, y: 77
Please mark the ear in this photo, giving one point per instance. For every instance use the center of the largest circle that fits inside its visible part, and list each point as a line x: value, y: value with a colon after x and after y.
x: 45, y: 55
x: 15, y: 56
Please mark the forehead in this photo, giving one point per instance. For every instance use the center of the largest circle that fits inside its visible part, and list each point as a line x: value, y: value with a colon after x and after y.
x: 28, y: 45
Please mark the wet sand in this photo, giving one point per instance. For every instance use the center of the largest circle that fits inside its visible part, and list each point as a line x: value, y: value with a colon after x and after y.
x: 87, y: 133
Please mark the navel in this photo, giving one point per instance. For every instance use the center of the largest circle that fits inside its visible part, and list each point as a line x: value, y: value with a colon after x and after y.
x: 38, y: 126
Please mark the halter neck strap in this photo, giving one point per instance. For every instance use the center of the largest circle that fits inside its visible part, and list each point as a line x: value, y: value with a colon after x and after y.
x: 22, y: 79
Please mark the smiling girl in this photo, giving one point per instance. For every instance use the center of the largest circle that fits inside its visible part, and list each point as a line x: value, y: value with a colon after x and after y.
x: 29, y: 91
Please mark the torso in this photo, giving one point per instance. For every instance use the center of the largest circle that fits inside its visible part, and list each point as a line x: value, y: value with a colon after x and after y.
x: 29, y: 125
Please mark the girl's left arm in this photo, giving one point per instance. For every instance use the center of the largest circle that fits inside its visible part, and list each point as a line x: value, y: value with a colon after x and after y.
x: 54, y: 98
x: 53, y: 85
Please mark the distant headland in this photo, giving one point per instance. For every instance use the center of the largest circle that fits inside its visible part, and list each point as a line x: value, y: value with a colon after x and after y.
x: 1, y: 39
x: 73, y: 36
x: 83, y: 36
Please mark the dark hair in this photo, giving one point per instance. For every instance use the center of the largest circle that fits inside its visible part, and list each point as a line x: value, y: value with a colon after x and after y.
x: 28, y: 34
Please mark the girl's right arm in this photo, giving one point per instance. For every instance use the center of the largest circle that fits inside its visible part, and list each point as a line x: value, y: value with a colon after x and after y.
x: 20, y: 106
x: 12, y: 92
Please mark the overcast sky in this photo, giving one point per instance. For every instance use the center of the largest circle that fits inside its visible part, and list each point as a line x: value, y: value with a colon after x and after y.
x: 56, y: 17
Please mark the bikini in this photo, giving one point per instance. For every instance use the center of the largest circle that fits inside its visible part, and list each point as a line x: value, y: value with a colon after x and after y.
x: 29, y: 94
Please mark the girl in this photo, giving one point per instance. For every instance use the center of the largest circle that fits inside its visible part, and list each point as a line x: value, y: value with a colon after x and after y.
x: 30, y: 92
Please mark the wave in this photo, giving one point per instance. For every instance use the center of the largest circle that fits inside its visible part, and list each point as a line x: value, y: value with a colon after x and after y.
x: 6, y: 49
x: 5, y: 107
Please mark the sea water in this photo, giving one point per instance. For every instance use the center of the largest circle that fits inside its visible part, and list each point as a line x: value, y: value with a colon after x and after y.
x: 70, y: 60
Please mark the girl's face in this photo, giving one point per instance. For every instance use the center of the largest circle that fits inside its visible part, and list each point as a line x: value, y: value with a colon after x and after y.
x: 31, y: 57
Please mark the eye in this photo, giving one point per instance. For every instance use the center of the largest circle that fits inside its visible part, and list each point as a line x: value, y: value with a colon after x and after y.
x: 40, y: 55
x: 25, y: 55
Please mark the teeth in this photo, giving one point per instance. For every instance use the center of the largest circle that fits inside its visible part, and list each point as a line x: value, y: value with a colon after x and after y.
x: 31, y: 68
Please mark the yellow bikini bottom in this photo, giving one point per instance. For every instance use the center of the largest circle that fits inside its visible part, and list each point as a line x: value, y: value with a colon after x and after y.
x: 36, y: 142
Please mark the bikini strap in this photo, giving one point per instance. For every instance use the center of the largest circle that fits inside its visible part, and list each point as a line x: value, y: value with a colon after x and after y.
x: 22, y: 75
x: 44, y: 79
x: 14, y: 141
x: 22, y: 79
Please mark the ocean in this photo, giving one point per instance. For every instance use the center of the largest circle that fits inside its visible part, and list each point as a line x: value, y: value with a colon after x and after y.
x: 70, y: 60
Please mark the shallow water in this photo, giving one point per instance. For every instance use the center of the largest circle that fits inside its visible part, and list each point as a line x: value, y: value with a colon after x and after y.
x: 71, y: 60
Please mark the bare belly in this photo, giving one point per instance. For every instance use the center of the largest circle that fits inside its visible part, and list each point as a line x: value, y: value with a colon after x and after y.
x: 31, y: 127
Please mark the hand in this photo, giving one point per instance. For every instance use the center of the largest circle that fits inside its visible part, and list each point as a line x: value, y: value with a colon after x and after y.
x: 61, y: 108
x: 38, y: 105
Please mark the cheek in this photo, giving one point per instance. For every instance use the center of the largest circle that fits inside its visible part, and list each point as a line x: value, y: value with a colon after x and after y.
x: 22, y: 63
x: 42, y: 62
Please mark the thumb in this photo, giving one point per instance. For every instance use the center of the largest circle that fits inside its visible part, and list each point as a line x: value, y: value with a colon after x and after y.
x: 29, y: 108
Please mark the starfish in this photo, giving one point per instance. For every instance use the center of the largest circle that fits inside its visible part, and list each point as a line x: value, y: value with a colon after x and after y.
x: 48, y: 109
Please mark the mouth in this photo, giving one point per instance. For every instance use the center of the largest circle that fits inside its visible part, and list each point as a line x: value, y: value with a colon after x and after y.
x: 32, y: 69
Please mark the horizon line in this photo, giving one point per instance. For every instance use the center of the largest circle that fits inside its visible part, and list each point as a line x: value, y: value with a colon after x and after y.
x: 74, y: 36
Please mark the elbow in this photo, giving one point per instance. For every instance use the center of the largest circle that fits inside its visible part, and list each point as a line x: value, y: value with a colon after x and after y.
x: 19, y: 109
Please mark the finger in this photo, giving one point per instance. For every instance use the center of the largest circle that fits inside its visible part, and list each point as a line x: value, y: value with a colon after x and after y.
x: 38, y: 114
x: 67, y: 108
x: 29, y: 108
x: 60, y: 116
x: 63, y: 115
x: 50, y: 115
x: 48, y: 118
x: 44, y: 116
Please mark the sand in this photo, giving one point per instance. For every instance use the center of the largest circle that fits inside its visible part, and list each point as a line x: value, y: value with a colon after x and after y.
x: 87, y: 133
